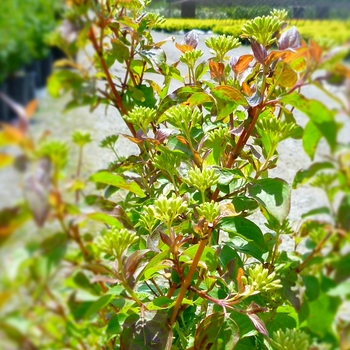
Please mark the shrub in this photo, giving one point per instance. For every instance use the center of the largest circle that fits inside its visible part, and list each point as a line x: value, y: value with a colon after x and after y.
x: 177, y: 262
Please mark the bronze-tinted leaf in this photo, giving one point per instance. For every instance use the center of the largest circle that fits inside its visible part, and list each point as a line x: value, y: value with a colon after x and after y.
x: 274, y: 56
x: 216, y: 332
x: 36, y: 190
x: 182, y: 140
x: 242, y: 64
x: 216, y: 70
x: 133, y: 261
x: 183, y: 47
x: 149, y: 331
x: 246, y: 89
x: 11, y: 219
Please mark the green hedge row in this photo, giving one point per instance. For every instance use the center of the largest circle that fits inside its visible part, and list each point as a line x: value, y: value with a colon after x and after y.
x: 334, y: 30
x: 23, y: 27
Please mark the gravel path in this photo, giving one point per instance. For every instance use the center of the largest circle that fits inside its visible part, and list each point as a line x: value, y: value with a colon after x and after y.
x: 100, y: 124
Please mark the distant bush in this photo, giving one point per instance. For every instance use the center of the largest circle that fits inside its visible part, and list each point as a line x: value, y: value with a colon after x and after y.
x: 334, y: 30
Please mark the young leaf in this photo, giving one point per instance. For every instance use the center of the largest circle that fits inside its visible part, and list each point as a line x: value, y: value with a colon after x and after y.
x: 290, y: 39
x: 258, y: 324
x: 272, y: 194
x: 259, y: 51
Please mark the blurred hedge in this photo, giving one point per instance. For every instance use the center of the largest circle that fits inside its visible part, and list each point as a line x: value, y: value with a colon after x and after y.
x: 336, y: 31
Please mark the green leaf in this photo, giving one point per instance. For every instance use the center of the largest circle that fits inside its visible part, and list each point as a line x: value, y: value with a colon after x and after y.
x: 216, y: 332
x: 341, y: 290
x: 281, y: 321
x: 285, y: 75
x: 273, y: 194
x: 244, y: 204
x: 97, y: 305
x: 180, y: 95
x: 108, y: 178
x: 209, y: 256
x: 105, y: 218
x: 244, y: 228
x: 63, y: 80
x: 311, y: 138
x: 120, y: 52
x: 157, y: 263
x: 146, y: 96
x: 199, y: 98
x: 343, y: 215
x: 322, y: 312
x: 227, y: 254
x: 201, y: 69
x: 316, y: 211
x: 303, y: 176
x: 115, y: 324
x: 246, y: 237
x: 150, y: 332
x: 227, y: 98
x: 312, y: 287
x: 318, y: 113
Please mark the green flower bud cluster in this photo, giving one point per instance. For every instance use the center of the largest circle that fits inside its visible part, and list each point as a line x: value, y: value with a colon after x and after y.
x: 81, y: 138
x: 221, y: 45
x: 184, y: 117
x: 290, y: 339
x: 147, y: 219
x: 168, y: 209
x: 261, y: 29
x: 116, y: 241
x: 210, y: 211
x: 276, y: 129
x: 280, y: 14
x: 190, y: 57
x: 168, y: 161
x: 56, y: 151
x: 141, y: 117
x: 259, y: 280
x: 154, y: 19
x: 202, y: 179
x: 220, y: 133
